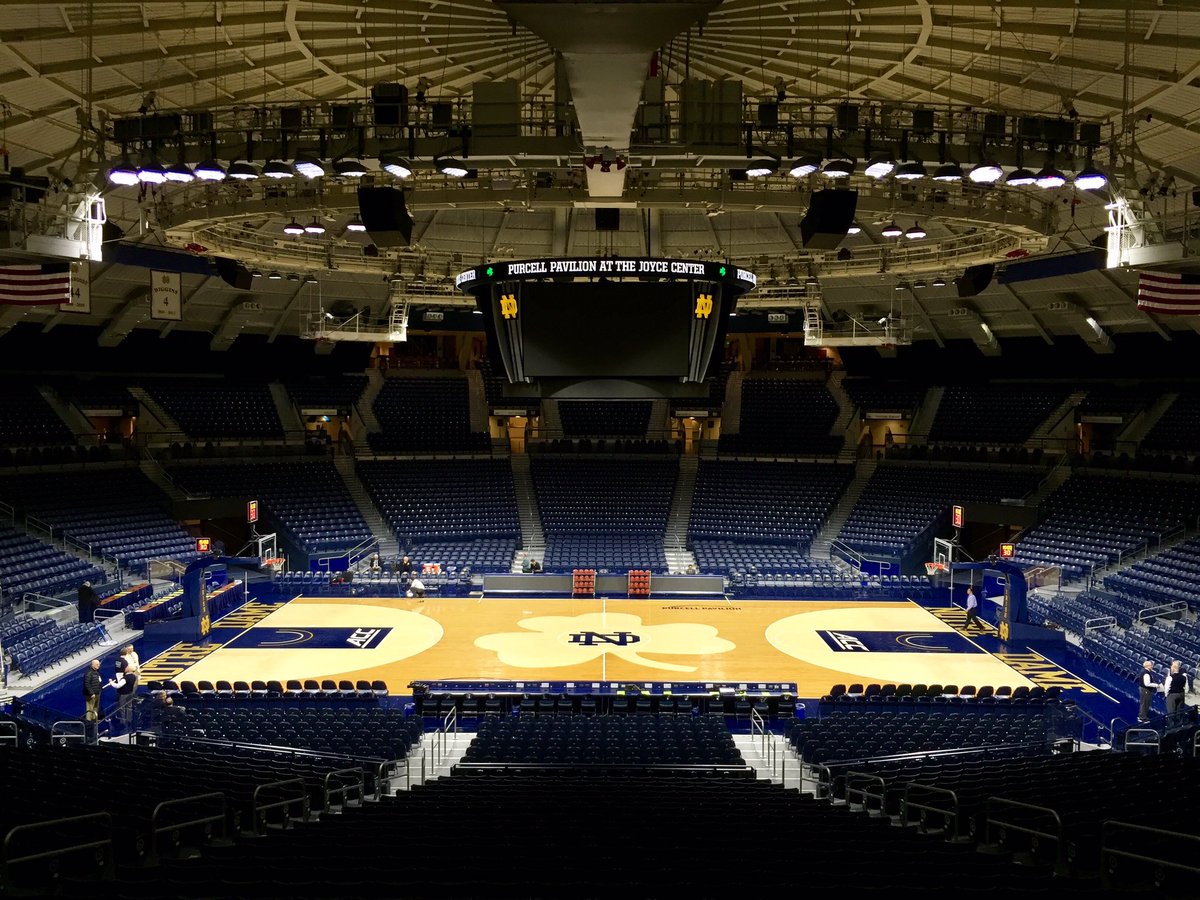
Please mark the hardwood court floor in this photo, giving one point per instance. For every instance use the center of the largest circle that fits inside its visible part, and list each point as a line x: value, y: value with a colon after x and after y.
x: 815, y: 644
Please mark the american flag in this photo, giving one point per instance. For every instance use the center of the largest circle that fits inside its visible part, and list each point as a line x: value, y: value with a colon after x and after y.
x: 44, y: 285
x: 1169, y: 293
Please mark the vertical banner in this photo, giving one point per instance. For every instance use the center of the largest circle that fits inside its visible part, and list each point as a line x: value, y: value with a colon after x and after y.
x: 81, y: 289
x: 166, y: 296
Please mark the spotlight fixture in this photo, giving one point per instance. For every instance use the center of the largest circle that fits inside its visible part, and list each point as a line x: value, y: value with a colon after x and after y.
x: 1020, y: 177
x: 812, y: 281
x: 274, y: 275
x: 948, y: 171
x: 310, y: 278
x: 356, y: 224
x: 210, y: 170
x: 915, y: 233
x: 761, y: 168
x: 451, y: 167
x: 891, y: 230
x: 293, y: 227
x: 314, y: 227
x: 277, y: 169
x: 1089, y: 178
x: 854, y: 228
x: 838, y: 168
x: 309, y: 166
x: 292, y: 276
x: 911, y: 171
x: 805, y: 166
x: 880, y: 166
x: 243, y: 171
x: 349, y: 168
x: 1050, y: 177
x: 395, y: 165
x: 151, y: 171
x: 939, y: 281
x: 986, y: 172
x: 919, y: 284
x: 180, y: 174
x: 123, y: 173
x: 900, y: 285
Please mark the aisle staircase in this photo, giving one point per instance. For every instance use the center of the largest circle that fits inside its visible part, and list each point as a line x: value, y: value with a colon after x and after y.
x: 675, y: 538
x: 1047, y: 426
x: 73, y: 417
x: 731, y: 411
x: 366, y: 412
x: 388, y: 545
x: 922, y: 422
x: 829, y: 531
x: 1142, y: 423
x: 152, y: 406
x: 289, y: 418
x: 533, y: 540
x: 153, y: 470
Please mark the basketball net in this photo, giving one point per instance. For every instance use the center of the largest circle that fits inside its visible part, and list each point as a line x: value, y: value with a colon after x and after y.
x: 932, y: 568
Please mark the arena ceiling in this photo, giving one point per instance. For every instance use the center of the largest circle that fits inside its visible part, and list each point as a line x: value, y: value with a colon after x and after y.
x: 69, y: 71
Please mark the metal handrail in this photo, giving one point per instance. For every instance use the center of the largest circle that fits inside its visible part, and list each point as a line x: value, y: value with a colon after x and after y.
x: 863, y: 779
x: 356, y: 781
x: 1142, y: 739
x: 1161, y: 836
x: 156, y: 829
x: 1056, y: 835
x: 67, y: 730
x: 259, y: 810
x: 103, y: 819
x: 1166, y: 609
x: 13, y: 739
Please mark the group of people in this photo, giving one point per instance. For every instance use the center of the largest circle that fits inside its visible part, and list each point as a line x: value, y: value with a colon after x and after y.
x: 1173, y: 687
x: 126, y: 674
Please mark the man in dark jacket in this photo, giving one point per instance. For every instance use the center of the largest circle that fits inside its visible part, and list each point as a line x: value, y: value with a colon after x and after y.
x: 91, y: 699
x: 88, y: 602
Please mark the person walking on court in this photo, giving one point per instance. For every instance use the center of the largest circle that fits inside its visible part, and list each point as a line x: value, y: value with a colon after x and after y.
x: 1148, y: 685
x: 973, y: 609
x: 1175, y: 687
x: 91, y: 700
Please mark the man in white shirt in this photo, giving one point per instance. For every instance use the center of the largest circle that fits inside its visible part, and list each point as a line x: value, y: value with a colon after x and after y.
x: 1175, y: 687
x: 973, y: 609
x: 1148, y: 685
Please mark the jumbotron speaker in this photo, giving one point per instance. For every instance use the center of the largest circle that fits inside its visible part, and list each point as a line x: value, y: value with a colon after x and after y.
x: 829, y: 217
x: 384, y: 212
x: 974, y: 281
x: 233, y: 273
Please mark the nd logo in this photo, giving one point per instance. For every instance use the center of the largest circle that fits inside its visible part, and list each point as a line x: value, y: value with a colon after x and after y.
x: 592, y: 638
x: 508, y: 306
x: 704, y: 306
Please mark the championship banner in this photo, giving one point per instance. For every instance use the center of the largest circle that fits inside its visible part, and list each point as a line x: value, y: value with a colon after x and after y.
x: 166, y: 296
x: 81, y: 289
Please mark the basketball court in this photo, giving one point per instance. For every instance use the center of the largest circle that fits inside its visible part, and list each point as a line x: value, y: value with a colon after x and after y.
x: 815, y: 644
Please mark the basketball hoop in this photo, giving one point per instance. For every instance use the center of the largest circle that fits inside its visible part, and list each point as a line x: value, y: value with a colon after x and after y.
x: 932, y: 568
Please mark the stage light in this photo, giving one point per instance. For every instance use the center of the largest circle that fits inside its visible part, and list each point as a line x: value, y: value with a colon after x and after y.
x: 911, y: 171
x: 180, y: 174
x: 256, y: 273
x: 838, y: 168
x: 451, y: 167
x: 349, y: 168
x: 761, y: 168
x: 939, y: 281
x: 243, y: 171
x: 274, y: 276
x: 915, y: 233
x: 1020, y: 177
x: 314, y: 227
x: 919, y: 284
x: 854, y: 228
x: 356, y: 224
x: 277, y: 169
x: 210, y: 170
x: 293, y: 227
x: 310, y: 278
x: 309, y: 166
x: 986, y: 172
x: 805, y: 166
x: 123, y: 173
x: 891, y: 230
x: 880, y: 166
x: 151, y: 171
x: 949, y: 171
x: 395, y: 165
x: 1050, y: 177
x: 1089, y: 178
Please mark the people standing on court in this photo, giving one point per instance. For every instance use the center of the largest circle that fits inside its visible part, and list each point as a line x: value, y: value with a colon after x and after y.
x: 91, y: 700
x: 1148, y: 685
x: 124, y: 682
x: 1175, y: 687
x: 134, y: 664
x: 973, y: 609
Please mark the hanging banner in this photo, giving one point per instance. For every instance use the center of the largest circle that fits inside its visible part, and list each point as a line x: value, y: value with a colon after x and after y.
x: 81, y: 289
x: 166, y: 296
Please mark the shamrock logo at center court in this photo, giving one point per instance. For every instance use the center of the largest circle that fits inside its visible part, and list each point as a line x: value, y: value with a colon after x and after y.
x: 554, y: 641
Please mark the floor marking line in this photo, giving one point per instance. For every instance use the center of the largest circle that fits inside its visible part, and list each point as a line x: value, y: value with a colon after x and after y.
x: 1072, y: 674
x: 217, y: 624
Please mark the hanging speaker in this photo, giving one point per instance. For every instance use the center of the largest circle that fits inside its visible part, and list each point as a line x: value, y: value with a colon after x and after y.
x: 829, y: 217
x: 384, y: 212
x: 233, y: 273
x: 974, y: 281
x: 608, y: 219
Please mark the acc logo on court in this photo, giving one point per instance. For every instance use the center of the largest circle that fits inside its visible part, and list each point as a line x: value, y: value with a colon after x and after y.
x: 704, y: 306
x: 897, y: 642
x: 366, y: 638
x: 508, y: 306
x: 847, y: 642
